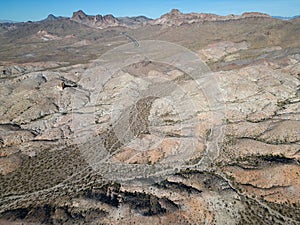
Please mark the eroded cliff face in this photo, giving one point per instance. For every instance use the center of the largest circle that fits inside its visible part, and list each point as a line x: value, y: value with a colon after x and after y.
x: 177, y: 137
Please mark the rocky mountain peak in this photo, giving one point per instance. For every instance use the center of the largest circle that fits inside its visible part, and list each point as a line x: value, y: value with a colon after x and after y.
x: 105, y: 21
x: 79, y: 15
x: 175, y: 12
x: 51, y: 17
x: 97, y: 21
x: 110, y: 18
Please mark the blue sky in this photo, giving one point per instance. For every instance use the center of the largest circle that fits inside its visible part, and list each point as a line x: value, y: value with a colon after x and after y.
x: 24, y: 10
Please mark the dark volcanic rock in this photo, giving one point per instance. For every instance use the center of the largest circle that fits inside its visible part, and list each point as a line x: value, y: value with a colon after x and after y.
x: 79, y: 15
x: 109, y: 20
x: 97, y: 21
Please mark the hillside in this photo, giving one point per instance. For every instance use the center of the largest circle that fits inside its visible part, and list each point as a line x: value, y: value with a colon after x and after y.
x: 185, y: 119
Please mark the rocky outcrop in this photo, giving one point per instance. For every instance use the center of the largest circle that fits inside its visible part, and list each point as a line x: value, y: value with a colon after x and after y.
x: 228, y: 51
x: 177, y: 18
x: 102, y: 22
x: 46, y: 36
x: 97, y: 21
x: 51, y: 17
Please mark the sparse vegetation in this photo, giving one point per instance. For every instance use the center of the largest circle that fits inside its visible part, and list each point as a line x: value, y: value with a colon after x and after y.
x: 87, y: 142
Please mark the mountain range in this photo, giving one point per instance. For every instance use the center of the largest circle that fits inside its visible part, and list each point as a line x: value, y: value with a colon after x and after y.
x: 7, y: 21
x: 286, y: 17
x: 105, y: 21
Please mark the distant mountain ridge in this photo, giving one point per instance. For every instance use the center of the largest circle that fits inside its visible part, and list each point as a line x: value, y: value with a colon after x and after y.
x: 177, y: 18
x: 7, y: 21
x: 51, y: 17
x: 286, y: 17
x: 109, y: 20
x: 172, y: 18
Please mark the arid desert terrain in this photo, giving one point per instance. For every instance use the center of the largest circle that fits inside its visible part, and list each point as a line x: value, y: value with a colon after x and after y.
x: 185, y: 119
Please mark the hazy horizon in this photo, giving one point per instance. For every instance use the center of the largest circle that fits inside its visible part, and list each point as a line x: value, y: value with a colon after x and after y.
x: 36, y: 10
